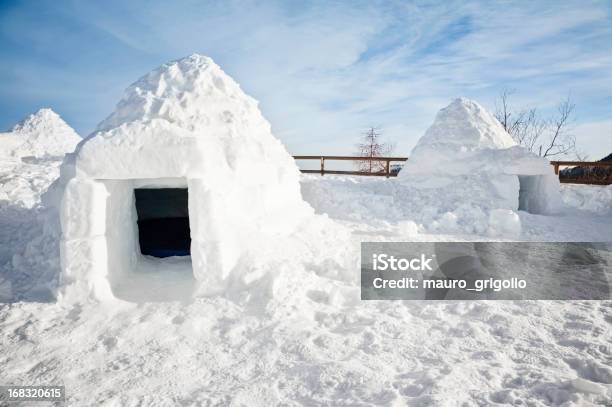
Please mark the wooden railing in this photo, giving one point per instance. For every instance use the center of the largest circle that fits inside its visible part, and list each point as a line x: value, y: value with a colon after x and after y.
x: 593, y: 179
x: 322, y: 158
x: 386, y: 172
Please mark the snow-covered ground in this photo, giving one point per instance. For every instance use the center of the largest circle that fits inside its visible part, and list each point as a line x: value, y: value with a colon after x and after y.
x: 301, y: 338
x: 387, y: 208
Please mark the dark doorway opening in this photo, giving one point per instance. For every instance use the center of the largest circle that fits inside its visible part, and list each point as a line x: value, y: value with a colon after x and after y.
x: 163, y: 222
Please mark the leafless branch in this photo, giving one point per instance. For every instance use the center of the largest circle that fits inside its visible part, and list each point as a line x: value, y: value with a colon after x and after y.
x: 545, y: 137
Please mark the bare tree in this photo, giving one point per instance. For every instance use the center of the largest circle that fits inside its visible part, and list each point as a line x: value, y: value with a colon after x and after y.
x: 560, y: 141
x: 371, y: 146
x: 511, y: 121
x: 546, y: 137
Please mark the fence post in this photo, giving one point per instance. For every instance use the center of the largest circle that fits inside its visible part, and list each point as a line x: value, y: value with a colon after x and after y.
x: 322, y: 166
x: 387, y: 169
x: 556, y: 169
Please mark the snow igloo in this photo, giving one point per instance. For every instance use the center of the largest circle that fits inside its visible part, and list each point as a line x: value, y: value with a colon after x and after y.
x: 183, y: 178
x: 466, y: 158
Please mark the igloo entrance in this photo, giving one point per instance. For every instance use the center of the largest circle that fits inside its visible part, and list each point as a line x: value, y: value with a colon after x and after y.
x: 146, y: 249
x: 531, y: 196
x: 163, y: 221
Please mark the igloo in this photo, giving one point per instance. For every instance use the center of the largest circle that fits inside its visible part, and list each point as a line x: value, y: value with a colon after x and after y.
x: 30, y: 157
x: 183, y: 178
x: 42, y: 136
x: 467, y: 154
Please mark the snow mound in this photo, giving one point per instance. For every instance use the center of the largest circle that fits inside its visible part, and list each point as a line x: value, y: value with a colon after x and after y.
x: 40, y: 135
x: 30, y: 159
x: 30, y: 156
x: 592, y: 198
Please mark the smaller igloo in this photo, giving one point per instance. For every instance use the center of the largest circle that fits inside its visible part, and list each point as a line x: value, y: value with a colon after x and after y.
x: 184, y: 179
x: 466, y: 158
x: 42, y: 136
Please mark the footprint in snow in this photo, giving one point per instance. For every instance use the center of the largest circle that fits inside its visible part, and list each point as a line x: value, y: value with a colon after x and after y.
x: 178, y: 320
x: 109, y: 342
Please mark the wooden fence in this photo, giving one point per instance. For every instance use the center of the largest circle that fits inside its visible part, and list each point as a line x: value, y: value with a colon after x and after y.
x: 322, y: 158
x: 590, y: 177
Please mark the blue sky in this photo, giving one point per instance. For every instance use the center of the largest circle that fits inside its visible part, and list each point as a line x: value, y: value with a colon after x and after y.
x: 323, y: 71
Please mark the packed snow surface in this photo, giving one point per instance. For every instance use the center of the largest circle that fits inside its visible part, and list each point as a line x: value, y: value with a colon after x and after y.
x: 303, y: 337
x: 592, y: 198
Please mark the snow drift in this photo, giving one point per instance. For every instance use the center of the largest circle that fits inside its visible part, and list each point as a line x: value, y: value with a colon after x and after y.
x: 30, y: 158
x: 186, y: 125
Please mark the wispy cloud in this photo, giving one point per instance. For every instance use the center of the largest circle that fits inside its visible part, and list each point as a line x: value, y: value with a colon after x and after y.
x: 322, y: 70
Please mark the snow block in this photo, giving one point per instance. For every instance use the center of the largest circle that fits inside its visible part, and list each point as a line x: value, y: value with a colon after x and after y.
x: 83, y: 209
x: 85, y: 271
x: 504, y: 222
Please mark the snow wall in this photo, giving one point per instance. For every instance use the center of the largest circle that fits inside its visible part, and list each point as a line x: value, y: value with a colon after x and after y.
x: 184, y: 125
x: 467, y: 156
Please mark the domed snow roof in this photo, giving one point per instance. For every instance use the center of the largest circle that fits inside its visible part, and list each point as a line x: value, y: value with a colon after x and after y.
x: 185, y: 117
x: 466, y: 126
x: 192, y: 93
x: 466, y: 139
x: 41, y: 134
